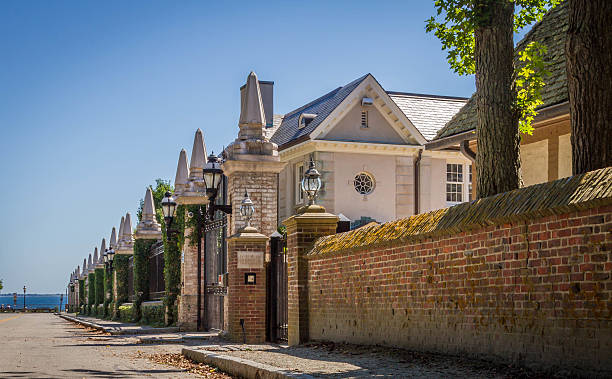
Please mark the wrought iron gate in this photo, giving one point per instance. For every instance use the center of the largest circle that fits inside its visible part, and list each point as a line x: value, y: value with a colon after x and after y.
x: 277, y: 290
x: 215, y: 267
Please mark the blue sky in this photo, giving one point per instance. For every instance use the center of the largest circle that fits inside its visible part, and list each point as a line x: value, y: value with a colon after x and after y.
x: 98, y: 98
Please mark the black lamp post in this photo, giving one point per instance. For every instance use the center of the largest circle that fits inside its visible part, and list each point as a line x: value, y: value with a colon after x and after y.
x: 247, y: 209
x: 24, y: 294
x: 311, y: 183
x: 168, y: 209
x: 110, y: 255
x: 213, y: 175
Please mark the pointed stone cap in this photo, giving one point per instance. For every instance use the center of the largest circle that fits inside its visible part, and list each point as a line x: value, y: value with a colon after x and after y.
x: 95, y: 256
x: 113, y: 239
x: 252, y: 115
x: 194, y: 191
x: 198, y: 156
x: 182, y: 173
x: 84, y: 272
x: 120, y: 234
x: 89, y: 265
x: 126, y: 244
x: 148, y: 227
x: 101, y: 255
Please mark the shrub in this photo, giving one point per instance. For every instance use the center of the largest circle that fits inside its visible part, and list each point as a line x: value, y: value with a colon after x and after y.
x: 153, y: 314
x: 126, y: 313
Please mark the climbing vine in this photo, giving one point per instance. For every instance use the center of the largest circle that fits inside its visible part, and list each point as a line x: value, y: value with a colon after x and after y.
x: 172, y: 263
x: 108, y: 291
x: 99, y: 286
x: 120, y: 264
x: 81, y: 292
x: 91, y: 291
x: 142, y: 249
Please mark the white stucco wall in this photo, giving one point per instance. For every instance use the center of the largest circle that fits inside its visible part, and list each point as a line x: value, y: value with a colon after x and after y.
x: 349, y: 128
x: 534, y: 163
x: 565, y: 156
x: 380, y: 204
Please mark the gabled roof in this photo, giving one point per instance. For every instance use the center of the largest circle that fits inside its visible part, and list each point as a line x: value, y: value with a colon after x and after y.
x: 428, y: 113
x: 322, y: 107
x: 552, y: 32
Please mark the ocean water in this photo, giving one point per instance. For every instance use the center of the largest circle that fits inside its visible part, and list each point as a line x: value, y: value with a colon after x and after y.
x: 33, y: 300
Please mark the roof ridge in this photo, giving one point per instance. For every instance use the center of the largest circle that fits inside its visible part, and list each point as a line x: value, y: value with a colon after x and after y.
x: 442, y: 97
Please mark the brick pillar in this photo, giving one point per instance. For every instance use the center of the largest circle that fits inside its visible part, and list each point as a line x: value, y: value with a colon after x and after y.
x: 188, y: 299
x: 246, y: 298
x: 302, y: 231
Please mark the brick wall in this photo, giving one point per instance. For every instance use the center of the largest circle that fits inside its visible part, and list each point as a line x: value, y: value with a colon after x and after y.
x: 534, y: 289
x: 246, y: 301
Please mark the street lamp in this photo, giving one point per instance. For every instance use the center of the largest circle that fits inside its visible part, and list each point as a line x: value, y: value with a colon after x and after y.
x: 110, y: 255
x: 247, y: 209
x: 168, y: 209
x: 212, y: 176
x: 311, y: 183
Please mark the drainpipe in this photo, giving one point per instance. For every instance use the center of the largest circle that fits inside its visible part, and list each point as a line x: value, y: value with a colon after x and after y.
x: 466, y: 151
x: 417, y: 175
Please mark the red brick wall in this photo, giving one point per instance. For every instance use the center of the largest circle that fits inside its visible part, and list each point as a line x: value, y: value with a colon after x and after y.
x: 536, y: 292
x: 247, y: 302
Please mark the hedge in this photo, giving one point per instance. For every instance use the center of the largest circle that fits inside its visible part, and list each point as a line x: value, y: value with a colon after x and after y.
x: 99, y: 286
x: 153, y: 314
x: 126, y: 313
x: 81, y: 292
x: 91, y: 289
x: 142, y: 248
x: 120, y: 263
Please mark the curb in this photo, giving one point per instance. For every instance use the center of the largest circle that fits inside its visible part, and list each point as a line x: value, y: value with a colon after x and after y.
x: 119, y: 331
x: 240, y: 367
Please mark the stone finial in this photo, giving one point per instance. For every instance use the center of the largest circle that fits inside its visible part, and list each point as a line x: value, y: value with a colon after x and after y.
x: 198, y: 156
x: 120, y: 234
x: 127, y: 227
x: 182, y: 173
x: 95, y: 256
x: 89, y: 265
x: 148, y: 227
x: 252, y: 115
x: 113, y: 239
x: 84, y: 268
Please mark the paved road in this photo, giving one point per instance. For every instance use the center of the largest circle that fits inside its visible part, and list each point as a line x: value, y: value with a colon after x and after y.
x: 46, y: 346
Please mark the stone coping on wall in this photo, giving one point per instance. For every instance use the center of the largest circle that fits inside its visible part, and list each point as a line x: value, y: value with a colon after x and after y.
x: 578, y: 192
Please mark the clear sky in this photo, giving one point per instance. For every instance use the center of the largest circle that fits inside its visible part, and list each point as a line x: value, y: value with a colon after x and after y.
x: 98, y: 98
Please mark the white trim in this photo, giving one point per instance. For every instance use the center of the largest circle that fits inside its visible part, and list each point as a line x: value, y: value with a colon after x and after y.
x: 310, y: 146
x: 402, y: 125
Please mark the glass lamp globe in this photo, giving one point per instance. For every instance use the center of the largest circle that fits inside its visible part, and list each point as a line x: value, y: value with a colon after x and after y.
x: 311, y: 183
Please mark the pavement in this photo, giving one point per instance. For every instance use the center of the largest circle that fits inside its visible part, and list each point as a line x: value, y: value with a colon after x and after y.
x: 42, y: 345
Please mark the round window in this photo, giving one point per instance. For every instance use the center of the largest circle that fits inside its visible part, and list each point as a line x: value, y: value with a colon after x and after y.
x: 364, y: 183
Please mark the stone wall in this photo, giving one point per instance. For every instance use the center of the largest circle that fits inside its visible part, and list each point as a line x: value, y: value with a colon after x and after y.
x: 522, y: 276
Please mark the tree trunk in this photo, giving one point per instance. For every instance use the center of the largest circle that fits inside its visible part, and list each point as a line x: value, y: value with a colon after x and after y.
x: 497, y: 159
x: 588, y: 52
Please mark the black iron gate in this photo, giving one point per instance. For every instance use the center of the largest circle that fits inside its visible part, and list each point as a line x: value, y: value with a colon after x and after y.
x: 277, y: 290
x: 215, y: 267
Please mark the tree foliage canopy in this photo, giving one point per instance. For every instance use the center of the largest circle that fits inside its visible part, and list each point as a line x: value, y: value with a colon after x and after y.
x: 455, y: 24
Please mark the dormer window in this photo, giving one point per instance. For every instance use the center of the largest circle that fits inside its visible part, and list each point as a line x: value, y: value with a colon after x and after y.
x: 305, y: 119
x: 364, y: 119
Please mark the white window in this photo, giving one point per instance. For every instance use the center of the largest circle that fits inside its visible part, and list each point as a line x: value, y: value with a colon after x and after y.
x: 299, y: 174
x: 364, y: 119
x: 470, y: 184
x: 454, y: 183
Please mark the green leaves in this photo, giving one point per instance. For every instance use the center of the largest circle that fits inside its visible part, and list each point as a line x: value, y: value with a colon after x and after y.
x: 529, y: 83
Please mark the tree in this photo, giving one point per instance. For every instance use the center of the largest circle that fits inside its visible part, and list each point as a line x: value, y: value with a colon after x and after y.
x: 478, y: 35
x: 159, y: 190
x: 588, y: 52
x: 1, y: 287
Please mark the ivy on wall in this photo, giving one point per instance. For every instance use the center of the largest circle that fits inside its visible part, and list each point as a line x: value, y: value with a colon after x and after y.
x: 142, y: 248
x: 81, y: 292
x: 99, y: 272
x: 120, y: 264
x: 108, y: 291
x: 172, y: 264
x: 91, y: 289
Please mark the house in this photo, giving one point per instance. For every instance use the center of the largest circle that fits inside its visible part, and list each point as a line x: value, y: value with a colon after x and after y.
x: 546, y: 155
x: 368, y: 144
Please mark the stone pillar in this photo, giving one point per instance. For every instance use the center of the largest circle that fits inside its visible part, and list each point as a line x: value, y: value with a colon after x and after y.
x: 246, y: 292
x: 303, y: 230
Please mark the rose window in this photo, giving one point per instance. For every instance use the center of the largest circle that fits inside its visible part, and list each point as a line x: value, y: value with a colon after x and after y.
x: 364, y: 183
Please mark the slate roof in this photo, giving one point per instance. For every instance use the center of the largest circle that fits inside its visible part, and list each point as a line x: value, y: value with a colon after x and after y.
x: 428, y: 113
x: 322, y: 107
x: 552, y: 32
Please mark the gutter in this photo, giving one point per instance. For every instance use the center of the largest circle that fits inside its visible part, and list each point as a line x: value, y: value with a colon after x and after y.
x: 417, y: 181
